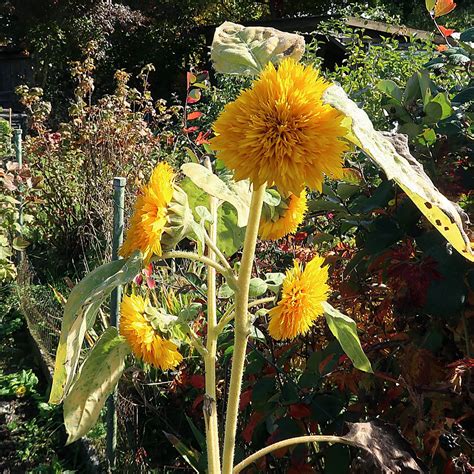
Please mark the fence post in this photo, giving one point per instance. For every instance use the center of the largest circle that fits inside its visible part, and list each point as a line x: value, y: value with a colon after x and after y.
x: 19, y: 159
x: 117, y: 239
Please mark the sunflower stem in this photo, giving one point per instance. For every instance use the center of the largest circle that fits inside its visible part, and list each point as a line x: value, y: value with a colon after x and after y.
x: 242, y: 329
x: 210, y: 401
x: 229, y: 276
x: 230, y: 313
x: 290, y: 442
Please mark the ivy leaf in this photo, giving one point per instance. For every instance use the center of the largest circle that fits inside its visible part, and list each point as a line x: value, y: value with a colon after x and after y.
x: 247, y: 50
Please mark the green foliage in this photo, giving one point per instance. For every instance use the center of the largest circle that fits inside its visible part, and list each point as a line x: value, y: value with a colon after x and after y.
x: 113, y: 136
x: 97, y: 379
x: 79, y: 314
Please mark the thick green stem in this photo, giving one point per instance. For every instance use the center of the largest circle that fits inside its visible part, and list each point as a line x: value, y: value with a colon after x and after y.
x: 210, y: 401
x: 289, y: 442
x: 242, y: 328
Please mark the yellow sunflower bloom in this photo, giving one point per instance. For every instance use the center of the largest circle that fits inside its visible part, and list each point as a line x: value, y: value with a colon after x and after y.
x: 287, y: 221
x: 280, y: 132
x: 150, y: 215
x: 303, y: 293
x: 145, y: 341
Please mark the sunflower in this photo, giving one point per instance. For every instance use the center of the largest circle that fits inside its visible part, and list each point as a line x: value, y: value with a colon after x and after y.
x: 303, y: 293
x: 145, y: 341
x: 288, y: 216
x: 280, y: 132
x: 150, y: 215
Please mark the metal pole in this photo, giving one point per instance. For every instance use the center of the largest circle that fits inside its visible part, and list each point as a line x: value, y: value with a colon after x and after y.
x: 19, y: 159
x: 117, y: 240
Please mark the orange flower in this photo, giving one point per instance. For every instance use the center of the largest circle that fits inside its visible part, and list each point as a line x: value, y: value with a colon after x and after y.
x: 441, y: 48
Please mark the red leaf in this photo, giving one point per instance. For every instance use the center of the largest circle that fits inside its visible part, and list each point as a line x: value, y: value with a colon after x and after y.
x: 193, y: 96
x: 299, y: 410
x: 202, y: 138
x: 252, y: 424
x: 245, y: 399
x: 196, y: 381
x: 190, y: 79
x: 443, y: 7
x: 194, y: 115
x: 198, y: 401
x: 446, y: 31
x: 190, y: 129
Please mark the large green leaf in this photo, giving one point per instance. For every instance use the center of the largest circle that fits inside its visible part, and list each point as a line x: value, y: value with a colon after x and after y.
x: 345, y: 331
x: 230, y: 236
x: 237, y: 194
x: 247, y: 50
x: 391, y: 153
x: 79, y: 315
x: 96, y: 380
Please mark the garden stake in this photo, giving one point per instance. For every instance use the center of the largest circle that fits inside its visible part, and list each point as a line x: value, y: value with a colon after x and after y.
x: 19, y: 158
x: 116, y: 296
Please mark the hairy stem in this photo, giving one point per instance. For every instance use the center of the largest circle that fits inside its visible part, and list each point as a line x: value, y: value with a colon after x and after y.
x: 210, y: 401
x: 289, y: 442
x: 199, y: 258
x: 242, y: 329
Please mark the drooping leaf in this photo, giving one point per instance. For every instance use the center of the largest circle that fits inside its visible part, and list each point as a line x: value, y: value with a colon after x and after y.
x: 344, y: 330
x: 19, y: 243
x: 386, y: 450
x: 391, y: 153
x: 443, y: 7
x: 236, y: 194
x: 247, y: 50
x: 79, y: 315
x: 230, y: 236
x: 430, y: 4
x: 190, y: 455
x: 97, y: 379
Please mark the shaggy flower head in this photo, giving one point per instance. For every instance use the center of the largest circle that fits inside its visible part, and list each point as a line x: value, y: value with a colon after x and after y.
x: 280, y: 132
x: 150, y: 215
x: 303, y: 293
x: 289, y: 215
x: 145, y: 341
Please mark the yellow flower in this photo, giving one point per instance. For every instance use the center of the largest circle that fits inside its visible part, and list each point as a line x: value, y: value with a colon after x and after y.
x: 150, y: 215
x: 287, y: 222
x: 20, y: 391
x: 145, y: 341
x: 303, y: 293
x: 280, y: 132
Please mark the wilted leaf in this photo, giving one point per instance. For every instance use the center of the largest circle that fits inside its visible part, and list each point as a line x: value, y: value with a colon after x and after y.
x: 385, y: 447
x: 190, y: 455
x: 247, y: 50
x: 19, y: 243
x: 97, y: 378
x: 344, y: 330
x: 79, y: 314
x: 391, y: 153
